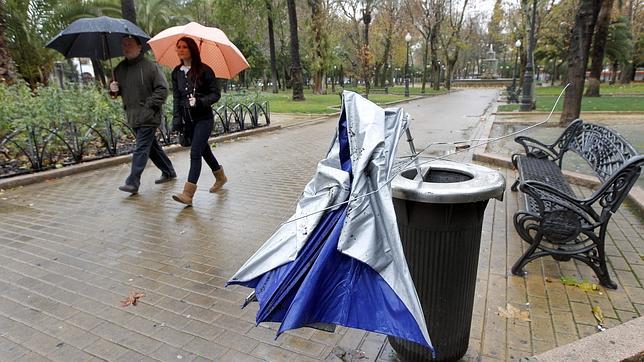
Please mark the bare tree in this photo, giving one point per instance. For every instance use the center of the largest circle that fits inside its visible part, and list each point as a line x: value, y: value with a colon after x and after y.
x: 320, y: 44
x: 296, y: 67
x: 633, y: 10
x: 360, y: 11
x: 427, y: 16
x: 389, y: 12
x: 581, y: 37
x: 451, y: 41
x: 599, y: 48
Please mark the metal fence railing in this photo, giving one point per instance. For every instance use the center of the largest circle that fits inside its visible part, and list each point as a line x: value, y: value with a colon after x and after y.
x: 32, y: 148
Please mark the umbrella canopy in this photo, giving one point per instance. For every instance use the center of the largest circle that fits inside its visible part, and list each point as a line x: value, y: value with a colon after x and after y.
x: 345, y: 266
x: 216, y: 49
x: 98, y: 38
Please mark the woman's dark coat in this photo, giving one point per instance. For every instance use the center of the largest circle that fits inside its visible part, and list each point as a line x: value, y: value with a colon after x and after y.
x: 206, y: 91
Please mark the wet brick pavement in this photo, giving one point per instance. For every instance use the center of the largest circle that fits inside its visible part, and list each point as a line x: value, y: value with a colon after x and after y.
x: 71, y: 249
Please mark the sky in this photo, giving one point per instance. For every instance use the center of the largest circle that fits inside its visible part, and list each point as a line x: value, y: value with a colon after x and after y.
x: 486, y: 6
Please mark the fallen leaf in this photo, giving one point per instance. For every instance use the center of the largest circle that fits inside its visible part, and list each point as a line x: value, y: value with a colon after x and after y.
x: 132, y: 299
x: 587, y: 286
x: 512, y: 312
x: 547, y: 280
x: 598, y: 314
x: 569, y: 281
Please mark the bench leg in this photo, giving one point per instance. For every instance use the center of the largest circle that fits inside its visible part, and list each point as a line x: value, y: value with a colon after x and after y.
x: 515, y: 185
x: 598, y: 264
x: 528, y: 256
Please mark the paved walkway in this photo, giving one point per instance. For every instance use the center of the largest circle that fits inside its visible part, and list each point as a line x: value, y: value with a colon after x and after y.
x: 71, y: 249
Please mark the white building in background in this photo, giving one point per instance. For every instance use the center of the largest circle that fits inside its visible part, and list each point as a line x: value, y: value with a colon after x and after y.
x: 84, y: 66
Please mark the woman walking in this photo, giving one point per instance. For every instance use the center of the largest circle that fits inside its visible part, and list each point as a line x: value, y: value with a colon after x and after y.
x: 195, y: 90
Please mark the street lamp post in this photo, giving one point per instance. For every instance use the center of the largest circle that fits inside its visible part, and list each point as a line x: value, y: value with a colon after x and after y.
x: 527, y: 103
x: 333, y: 79
x: 407, y: 40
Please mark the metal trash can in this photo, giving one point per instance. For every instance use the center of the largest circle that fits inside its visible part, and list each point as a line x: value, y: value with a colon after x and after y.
x: 440, y: 217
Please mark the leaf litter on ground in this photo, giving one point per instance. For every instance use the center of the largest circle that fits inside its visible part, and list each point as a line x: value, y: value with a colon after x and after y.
x: 599, y: 317
x: 583, y: 285
x: 132, y: 298
x: 512, y: 312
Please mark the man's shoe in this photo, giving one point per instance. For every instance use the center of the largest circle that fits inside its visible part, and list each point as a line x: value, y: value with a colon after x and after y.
x: 165, y: 178
x: 129, y: 188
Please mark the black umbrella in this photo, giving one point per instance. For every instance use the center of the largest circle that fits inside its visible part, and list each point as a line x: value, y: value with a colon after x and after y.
x: 98, y: 38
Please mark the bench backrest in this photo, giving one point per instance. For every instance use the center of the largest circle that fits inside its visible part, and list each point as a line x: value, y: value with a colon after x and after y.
x: 604, y: 149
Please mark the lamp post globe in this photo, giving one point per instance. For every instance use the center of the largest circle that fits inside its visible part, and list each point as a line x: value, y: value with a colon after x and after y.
x: 407, y: 40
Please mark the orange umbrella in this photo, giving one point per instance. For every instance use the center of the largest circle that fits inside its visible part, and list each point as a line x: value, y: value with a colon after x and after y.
x: 216, y: 49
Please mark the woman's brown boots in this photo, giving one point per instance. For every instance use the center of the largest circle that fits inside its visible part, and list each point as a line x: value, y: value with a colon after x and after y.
x: 189, y: 188
x: 220, y: 179
x: 186, y: 196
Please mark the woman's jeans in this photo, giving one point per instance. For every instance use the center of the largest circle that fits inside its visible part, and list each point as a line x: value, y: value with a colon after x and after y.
x: 200, y: 148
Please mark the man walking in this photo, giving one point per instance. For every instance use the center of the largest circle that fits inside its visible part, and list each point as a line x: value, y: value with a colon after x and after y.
x: 143, y: 89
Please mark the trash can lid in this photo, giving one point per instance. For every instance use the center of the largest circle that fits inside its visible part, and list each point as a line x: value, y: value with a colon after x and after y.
x: 447, y: 182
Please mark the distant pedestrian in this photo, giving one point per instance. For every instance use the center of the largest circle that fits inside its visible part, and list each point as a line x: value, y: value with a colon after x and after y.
x: 143, y: 89
x: 195, y: 89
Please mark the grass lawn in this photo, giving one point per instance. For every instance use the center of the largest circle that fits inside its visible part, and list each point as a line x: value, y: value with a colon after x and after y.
x: 318, y: 104
x: 616, y: 89
x: 625, y: 104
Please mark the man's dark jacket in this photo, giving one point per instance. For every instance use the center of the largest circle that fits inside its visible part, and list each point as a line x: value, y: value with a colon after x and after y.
x: 143, y: 89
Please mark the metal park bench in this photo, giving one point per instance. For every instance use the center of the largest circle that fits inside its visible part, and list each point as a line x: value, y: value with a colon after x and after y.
x: 512, y: 94
x: 556, y: 221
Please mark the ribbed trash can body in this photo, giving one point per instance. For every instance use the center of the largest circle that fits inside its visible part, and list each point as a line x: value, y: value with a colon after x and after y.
x: 441, y: 240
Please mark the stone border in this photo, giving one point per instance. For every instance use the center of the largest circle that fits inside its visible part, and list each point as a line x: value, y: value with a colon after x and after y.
x: 620, y: 343
x: 538, y: 113
x: 28, y: 179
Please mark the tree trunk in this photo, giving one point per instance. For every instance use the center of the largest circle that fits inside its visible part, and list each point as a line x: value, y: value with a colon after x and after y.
x: 385, y: 60
x: 435, y: 66
x: 425, y: 62
x: 448, y: 75
x: 553, y: 75
x: 626, y: 73
x: 271, y: 45
x: 580, y: 40
x: 319, y: 66
x: 599, y: 48
x: 7, y: 71
x: 128, y: 11
x: 296, y: 67
x: 366, y: 61
x: 613, y: 77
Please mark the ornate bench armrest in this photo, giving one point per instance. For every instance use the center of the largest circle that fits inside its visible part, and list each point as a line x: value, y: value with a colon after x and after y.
x: 537, y: 148
x: 614, y: 190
